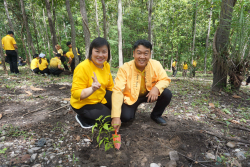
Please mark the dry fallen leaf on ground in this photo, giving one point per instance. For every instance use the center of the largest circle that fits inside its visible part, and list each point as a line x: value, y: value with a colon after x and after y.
x: 211, y: 105
x: 33, y: 88
x: 28, y: 92
x: 1, y: 115
x: 236, y: 97
x: 77, y: 138
x: 235, y: 122
x: 62, y: 88
x: 66, y: 99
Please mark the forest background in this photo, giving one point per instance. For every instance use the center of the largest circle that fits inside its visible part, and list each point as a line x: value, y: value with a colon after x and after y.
x: 183, y: 30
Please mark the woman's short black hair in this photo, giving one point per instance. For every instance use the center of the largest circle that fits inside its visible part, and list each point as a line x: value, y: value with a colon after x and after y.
x: 64, y: 52
x: 35, y: 56
x: 96, y: 43
x: 68, y: 43
x: 143, y: 42
x: 58, y: 55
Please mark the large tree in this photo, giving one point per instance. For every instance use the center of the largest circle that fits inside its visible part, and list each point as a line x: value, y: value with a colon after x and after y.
x: 119, y: 26
x: 104, y: 20
x: 73, y: 33
x: 51, y: 24
x: 25, y: 20
x: 85, y: 26
x: 220, y: 45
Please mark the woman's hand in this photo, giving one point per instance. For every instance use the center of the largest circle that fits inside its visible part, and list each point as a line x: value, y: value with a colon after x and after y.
x: 116, y: 123
x: 95, y: 85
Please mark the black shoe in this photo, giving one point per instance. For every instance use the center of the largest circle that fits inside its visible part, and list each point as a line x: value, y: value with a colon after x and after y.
x: 159, y: 120
x: 83, y: 123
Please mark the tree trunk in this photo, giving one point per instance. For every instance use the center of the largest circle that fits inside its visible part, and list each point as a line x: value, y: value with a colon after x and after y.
x: 220, y: 45
x: 119, y: 25
x: 51, y: 25
x: 85, y: 27
x: 208, y: 33
x: 28, y: 58
x: 194, y: 30
x: 96, y: 18
x: 3, y: 58
x: 8, y: 16
x: 65, y: 30
x: 150, y: 4
x: 29, y: 37
x: 73, y: 33
x: 47, y: 35
x: 104, y: 20
x: 35, y: 29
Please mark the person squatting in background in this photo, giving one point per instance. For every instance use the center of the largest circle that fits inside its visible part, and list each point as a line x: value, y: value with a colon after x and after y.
x: 185, y: 68
x: 92, y: 85
x: 56, y: 65
x: 34, y: 64
x: 21, y: 62
x: 43, y: 64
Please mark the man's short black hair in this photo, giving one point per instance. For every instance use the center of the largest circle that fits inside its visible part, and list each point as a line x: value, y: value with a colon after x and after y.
x: 11, y: 32
x: 58, y: 55
x: 35, y: 56
x: 143, y: 42
x: 96, y: 43
x: 68, y: 43
x: 64, y: 52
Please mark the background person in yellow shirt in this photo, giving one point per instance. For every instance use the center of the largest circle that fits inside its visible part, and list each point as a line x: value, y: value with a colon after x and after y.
x: 71, y: 56
x: 92, y: 85
x: 55, y: 65
x: 185, y: 68
x: 43, y: 64
x: 174, y: 68
x: 131, y: 81
x: 9, y: 45
x: 34, y: 64
x: 194, y: 67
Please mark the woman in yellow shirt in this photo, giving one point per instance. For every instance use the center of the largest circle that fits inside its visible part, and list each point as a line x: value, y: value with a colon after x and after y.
x: 43, y: 64
x: 92, y: 85
x: 34, y: 64
x: 185, y: 68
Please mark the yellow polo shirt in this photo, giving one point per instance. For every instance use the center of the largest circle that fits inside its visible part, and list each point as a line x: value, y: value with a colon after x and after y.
x: 54, y: 62
x: 70, y: 53
x: 34, y: 64
x: 143, y: 90
x: 82, y: 79
x: 194, y: 63
x: 185, y: 67
x: 44, y: 64
x: 174, y: 64
x: 8, y: 42
x: 60, y: 51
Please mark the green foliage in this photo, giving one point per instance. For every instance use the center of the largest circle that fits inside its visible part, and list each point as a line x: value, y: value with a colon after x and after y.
x: 105, y: 129
x: 2, y: 151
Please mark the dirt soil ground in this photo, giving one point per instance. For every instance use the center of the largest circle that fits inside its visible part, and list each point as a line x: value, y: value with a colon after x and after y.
x: 200, y: 126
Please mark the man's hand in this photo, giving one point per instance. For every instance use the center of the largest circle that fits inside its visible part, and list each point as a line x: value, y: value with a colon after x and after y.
x: 116, y: 123
x: 95, y: 85
x: 153, y: 95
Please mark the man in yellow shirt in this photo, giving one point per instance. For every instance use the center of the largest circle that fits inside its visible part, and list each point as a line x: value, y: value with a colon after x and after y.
x: 185, y: 68
x: 140, y: 80
x: 34, y: 64
x: 55, y: 65
x: 9, y: 45
x: 71, y: 56
x: 194, y: 67
x: 174, y: 68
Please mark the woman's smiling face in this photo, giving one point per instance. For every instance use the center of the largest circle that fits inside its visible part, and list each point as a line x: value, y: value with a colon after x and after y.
x: 99, y: 55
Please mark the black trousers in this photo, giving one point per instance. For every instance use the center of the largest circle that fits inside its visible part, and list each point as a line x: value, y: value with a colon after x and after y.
x: 46, y: 70
x: 89, y: 113
x: 36, y: 70
x: 63, y: 59
x: 56, y: 72
x: 128, y: 111
x: 174, y: 71
x: 72, y: 65
x: 12, y: 58
x: 248, y: 80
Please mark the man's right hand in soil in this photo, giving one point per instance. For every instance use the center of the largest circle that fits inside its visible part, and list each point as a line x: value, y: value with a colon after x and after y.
x: 116, y: 123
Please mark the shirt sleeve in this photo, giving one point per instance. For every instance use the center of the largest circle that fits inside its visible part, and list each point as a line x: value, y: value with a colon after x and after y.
x: 68, y: 54
x: 117, y: 95
x: 13, y: 41
x: 80, y: 82
x: 111, y: 83
x: 163, y: 79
